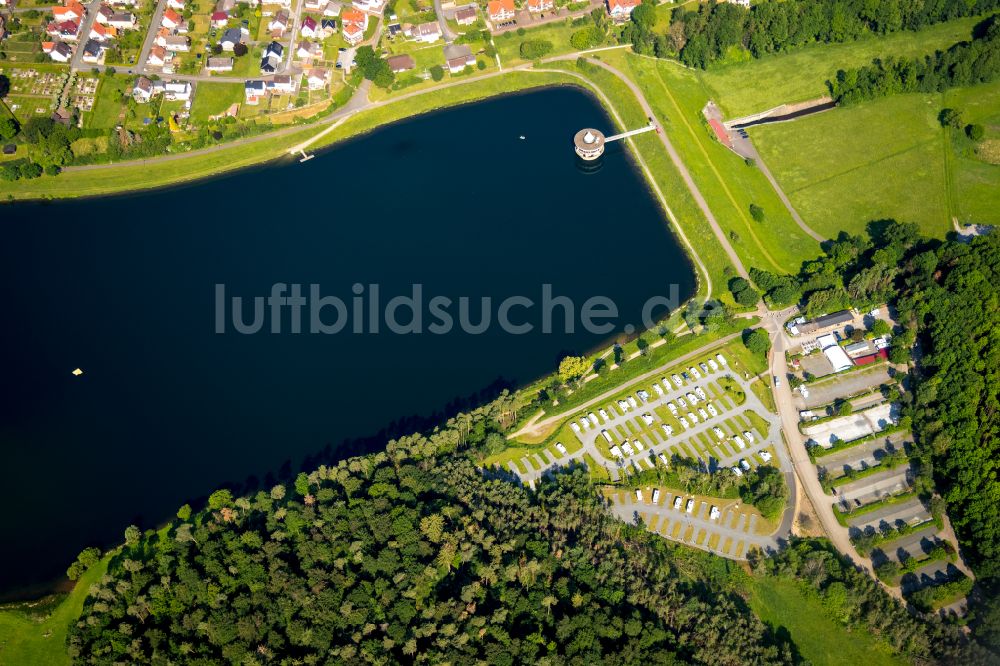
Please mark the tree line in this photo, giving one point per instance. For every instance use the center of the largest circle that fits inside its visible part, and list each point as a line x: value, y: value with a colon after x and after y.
x: 964, y: 64
x: 724, y: 32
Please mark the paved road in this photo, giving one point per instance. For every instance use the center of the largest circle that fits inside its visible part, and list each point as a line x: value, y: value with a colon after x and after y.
x: 682, y: 169
x: 147, y: 44
x: 805, y: 471
x: 745, y: 148
x: 449, y: 34
x: 76, y: 62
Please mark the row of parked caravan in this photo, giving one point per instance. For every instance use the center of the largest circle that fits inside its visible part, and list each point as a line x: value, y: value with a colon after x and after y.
x: 764, y: 455
x: 714, y: 513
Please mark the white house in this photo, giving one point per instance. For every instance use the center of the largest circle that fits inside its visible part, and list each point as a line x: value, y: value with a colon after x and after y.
x: 622, y: 9
x: 500, y: 10
x: 425, y: 32
x: 178, y: 91
x: 254, y: 91
x: 317, y: 78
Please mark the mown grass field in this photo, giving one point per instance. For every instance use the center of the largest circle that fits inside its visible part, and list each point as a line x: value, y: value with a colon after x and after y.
x: 212, y: 98
x: 726, y: 182
x: 25, y: 639
x: 762, y: 84
x: 887, y: 158
x: 820, y: 640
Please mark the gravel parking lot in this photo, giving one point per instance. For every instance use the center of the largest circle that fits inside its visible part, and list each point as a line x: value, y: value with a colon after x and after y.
x: 934, y: 573
x: 862, y: 456
x: 912, y: 511
x: 854, y: 426
x: 918, y: 544
x: 826, y: 391
x: 875, y: 487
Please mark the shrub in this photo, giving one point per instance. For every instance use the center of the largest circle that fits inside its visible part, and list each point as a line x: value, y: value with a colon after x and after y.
x: 533, y: 49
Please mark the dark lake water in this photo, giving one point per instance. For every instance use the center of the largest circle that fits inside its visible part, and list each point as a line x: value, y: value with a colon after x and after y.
x: 167, y: 410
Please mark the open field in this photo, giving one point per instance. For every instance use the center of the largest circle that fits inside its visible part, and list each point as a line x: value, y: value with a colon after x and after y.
x: 27, y: 640
x: 729, y: 185
x: 212, y: 98
x: 848, y: 166
x: 801, y: 75
x: 819, y: 638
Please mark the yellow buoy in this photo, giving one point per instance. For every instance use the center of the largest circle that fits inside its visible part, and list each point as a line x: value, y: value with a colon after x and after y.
x: 77, y: 372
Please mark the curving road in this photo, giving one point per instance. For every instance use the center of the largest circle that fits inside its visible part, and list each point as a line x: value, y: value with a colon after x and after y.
x: 680, y: 166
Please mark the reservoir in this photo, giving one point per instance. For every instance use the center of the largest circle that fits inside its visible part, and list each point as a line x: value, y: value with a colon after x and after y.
x: 168, y: 409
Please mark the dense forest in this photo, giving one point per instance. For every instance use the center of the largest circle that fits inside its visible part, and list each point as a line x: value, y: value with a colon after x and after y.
x: 714, y: 32
x: 964, y: 64
x: 411, y: 555
x: 948, y: 301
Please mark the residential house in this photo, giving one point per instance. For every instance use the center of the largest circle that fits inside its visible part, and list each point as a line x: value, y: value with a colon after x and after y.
x: 620, y: 10
x: 171, y: 19
x: 281, y: 83
x: 274, y: 50
x: 157, y: 57
x: 219, y: 64
x: 457, y: 57
x: 254, y: 91
x: 225, y: 6
x: 220, y: 19
x: 279, y: 23
x: 230, y: 38
x: 425, y: 32
x: 143, y: 90
x: 72, y: 11
x: 102, y: 33
x: 541, y: 5
x: 332, y: 9
x: 394, y: 29
x: 93, y: 52
x: 177, y: 43
x: 58, y: 51
x: 65, y: 30
x: 272, y: 58
x: 741, y: 3
x: 500, y: 10
x: 314, y: 5
x: 161, y: 37
x: 353, y: 34
x: 123, y: 21
x: 466, y: 15
x: 317, y: 79
x: 309, y: 51
x: 401, y: 63
x: 354, y: 17
x: 309, y: 28
x: 104, y: 13
x: 327, y: 28
x: 177, y: 5
x: 370, y: 6
x: 177, y: 91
